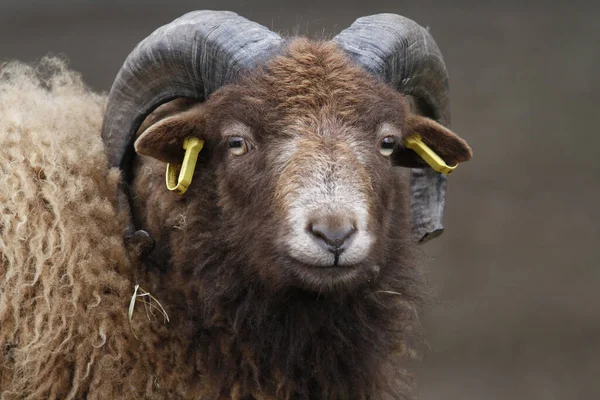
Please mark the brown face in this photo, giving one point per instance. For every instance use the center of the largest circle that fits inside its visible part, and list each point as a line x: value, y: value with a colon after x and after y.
x: 312, y: 199
x: 304, y: 155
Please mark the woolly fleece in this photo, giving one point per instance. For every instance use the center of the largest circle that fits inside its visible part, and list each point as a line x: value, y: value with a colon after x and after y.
x: 65, y: 276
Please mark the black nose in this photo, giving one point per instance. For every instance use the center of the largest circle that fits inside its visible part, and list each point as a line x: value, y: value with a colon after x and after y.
x: 334, y: 233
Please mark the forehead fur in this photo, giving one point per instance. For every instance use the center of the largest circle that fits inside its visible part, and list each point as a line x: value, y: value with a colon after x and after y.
x: 317, y: 79
x: 313, y: 82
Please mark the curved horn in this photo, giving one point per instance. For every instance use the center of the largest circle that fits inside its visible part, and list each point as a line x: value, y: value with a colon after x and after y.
x: 190, y: 57
x: 405, y: 55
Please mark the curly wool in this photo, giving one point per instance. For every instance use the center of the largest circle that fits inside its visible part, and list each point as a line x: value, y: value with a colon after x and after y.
x: 65, y: 276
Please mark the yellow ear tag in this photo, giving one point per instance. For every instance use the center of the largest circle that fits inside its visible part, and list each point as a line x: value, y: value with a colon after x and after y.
x: 192, y: 147
x: 429, y: 156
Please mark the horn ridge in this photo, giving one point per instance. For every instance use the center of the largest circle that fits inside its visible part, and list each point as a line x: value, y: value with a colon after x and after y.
x: 190, y: 57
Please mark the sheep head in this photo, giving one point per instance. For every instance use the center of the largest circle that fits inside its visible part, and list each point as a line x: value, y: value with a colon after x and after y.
x: 303, y: 145
x: 304, y: 152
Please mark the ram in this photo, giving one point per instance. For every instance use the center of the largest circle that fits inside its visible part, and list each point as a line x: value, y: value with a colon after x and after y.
x: 285, y: 259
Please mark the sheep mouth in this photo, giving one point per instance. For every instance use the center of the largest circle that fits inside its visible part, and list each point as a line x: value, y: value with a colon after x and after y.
x: 331, y: 266
x: 332, y: 277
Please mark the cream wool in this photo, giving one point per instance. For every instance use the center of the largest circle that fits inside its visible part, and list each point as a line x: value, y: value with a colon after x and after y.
x: 65, y: 276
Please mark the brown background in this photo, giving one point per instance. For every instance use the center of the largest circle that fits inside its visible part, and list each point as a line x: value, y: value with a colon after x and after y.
x: 517, y: 274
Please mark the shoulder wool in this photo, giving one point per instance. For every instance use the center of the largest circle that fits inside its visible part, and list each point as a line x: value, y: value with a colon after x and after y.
x: 65, y: 276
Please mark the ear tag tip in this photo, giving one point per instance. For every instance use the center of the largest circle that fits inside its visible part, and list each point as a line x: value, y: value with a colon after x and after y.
x: 181, y: 183
x: 428, y: 155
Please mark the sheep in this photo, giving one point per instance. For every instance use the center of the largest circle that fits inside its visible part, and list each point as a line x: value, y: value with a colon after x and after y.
x: 288, y: 269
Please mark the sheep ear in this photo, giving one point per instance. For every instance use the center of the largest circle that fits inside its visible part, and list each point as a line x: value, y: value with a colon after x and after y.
x: 164, y: 139
x: 451, y: 148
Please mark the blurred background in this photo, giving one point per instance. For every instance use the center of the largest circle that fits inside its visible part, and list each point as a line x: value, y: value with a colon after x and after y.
x: 516, y: 275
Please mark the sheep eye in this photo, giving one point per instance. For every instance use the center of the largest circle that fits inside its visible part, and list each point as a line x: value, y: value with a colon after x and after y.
x: 237, y: 146
x: 386, y: 146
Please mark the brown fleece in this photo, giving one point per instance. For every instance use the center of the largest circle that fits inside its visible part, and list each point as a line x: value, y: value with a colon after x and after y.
x: 259, y: 330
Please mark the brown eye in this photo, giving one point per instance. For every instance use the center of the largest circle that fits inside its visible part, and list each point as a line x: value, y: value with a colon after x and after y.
x: 237, y: 146
x: 386, y: 146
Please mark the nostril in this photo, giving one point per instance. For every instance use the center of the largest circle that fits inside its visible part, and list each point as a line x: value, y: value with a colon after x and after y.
x: 334, y: 235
